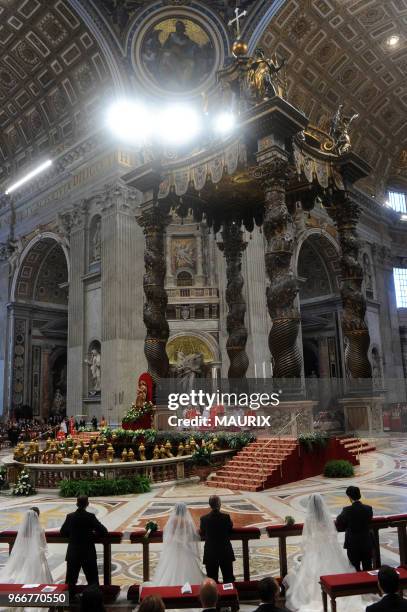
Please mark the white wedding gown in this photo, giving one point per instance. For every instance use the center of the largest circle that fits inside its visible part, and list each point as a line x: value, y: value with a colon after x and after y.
x: 180, y: 557
x: 27, y: 563
x: 321, y: 555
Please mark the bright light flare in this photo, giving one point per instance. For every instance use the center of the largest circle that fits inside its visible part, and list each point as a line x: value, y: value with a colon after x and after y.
x: 130, y: 121
x: 224, y: 123
x: 29, y: 176
x: 178, y: 124
x: 393, y: 40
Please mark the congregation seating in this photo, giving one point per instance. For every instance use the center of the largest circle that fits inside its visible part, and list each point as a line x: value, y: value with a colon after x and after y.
x: 174, y: 599
x: 345, y: 585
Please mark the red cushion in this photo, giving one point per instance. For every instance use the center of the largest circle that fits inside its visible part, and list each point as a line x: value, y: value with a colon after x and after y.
x: 8, y: 534
x: 338, y: 582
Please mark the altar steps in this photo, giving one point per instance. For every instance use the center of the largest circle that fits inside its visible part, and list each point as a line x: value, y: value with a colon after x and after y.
x: 272, y: 462
x: 357, y: 446
x: 257, y: 467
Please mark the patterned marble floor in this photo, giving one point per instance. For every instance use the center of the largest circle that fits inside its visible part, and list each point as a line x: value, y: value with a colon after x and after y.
x: 382, y: 477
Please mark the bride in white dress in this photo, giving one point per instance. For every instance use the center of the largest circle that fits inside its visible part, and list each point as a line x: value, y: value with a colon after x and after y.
x: 180, y: 559
x: 321, y: 555
x: 27, y: 563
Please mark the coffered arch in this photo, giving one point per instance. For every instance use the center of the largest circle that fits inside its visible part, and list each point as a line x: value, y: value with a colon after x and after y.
x: 337, y: 52
x: 52, y: 74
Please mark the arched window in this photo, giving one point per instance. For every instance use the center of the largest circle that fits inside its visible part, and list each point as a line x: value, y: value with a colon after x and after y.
x: 398, y: 201
x: 184, y: 279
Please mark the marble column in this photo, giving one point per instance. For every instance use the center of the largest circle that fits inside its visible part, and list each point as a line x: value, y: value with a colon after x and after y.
x: 4, y: 298
x: 258, y: 321
x: 233, y: 246
x: 74, y: 223
x: 154, y: 223
x: 46, y: 400
x: 122, y: 359
x: 345, y: 213
x: 281, y: 294
x: 200, y: 277
x: 170, y: 279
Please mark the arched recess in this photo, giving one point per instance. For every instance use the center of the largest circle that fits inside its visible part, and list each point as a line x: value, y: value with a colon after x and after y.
x: 317, y: 262
x: 38, y: 329
x: 184, y: 344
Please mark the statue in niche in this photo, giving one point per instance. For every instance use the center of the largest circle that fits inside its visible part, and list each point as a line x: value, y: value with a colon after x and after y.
x: 93, y: 362
x: 261, y: 76
x: 58, y: 403
x: 339, y: 130
x: 368, y: 275
x: 187, y: 369
x: 96, y: 242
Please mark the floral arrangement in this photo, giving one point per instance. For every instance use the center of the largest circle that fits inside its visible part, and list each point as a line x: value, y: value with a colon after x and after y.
x: 151, y: 527
x: 23, y: 485
x: 3, y: 478
x: 135, y: 413
x: 289, y: 521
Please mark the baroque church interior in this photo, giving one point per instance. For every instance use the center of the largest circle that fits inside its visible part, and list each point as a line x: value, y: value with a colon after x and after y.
x: 203, y: 196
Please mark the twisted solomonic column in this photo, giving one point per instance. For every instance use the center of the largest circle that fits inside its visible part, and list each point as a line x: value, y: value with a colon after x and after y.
x: 279, y: 233
x: 345, y: 213
x: 154, y: 224
x: 233, y: 246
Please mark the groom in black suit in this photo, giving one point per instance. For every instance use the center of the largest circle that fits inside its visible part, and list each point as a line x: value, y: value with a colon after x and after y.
x: 355, y: 521
x: 81, y: 527
x: 216, y: 528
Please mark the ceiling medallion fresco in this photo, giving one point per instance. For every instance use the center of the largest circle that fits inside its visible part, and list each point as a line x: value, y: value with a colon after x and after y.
x: 177, y: 52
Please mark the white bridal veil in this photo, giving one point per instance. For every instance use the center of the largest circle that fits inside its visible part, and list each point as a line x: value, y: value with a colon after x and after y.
x: 180, y: 556
x: 321, y: 554
x: 27, y: 563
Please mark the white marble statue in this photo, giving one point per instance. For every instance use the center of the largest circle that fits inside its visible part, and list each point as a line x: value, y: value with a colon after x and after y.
x: 94, y: 365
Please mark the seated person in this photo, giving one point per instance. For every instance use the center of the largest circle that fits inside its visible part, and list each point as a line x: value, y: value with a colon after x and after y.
x: 388, y: 586
x: 269, y: 591
x: 208, y: 594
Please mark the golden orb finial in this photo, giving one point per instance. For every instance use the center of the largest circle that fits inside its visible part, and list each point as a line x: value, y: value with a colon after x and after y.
x: 239, y: 48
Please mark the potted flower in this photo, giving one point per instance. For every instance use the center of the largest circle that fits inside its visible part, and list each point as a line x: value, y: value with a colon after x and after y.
x: 139, y: 417
x: 201, y: 460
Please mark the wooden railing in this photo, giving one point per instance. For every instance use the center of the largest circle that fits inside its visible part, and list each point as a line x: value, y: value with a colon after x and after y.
x: 399, y: 521
x: 244, y: 534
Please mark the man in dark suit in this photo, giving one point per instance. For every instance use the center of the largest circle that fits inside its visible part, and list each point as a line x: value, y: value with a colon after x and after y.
x: 268, y: 591
x: 216, y: 528
x: 81, y: 527
x: 355, y: 521
x: 389, y: 586
x: 208, y: 594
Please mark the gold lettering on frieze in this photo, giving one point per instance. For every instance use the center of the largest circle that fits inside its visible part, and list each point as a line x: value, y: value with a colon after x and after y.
x: 78, y: 179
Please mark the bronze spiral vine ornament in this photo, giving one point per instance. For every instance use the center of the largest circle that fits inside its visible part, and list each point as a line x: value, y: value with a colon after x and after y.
x: 233, y: 246
x: 154, y: 224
